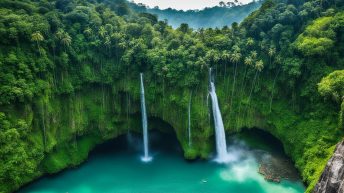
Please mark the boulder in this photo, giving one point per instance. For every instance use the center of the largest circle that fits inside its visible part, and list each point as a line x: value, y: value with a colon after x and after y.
x: 332, y: 178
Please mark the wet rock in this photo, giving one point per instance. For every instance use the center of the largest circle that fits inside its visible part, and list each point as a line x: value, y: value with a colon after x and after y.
x: 277, y: 168
x: 332, y: 178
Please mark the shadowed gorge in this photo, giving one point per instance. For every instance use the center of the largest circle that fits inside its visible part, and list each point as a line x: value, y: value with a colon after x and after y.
x: 70, y: 81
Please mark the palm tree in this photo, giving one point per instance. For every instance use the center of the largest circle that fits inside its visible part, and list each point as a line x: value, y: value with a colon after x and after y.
x: 107, y: 43
x: 271, y: 53
x: 116, y: 36
x: 60, y: 34
x: 37, y: 37
x: 254, y: 54
x: 278, y: 61
x: 66, y: 40
x: 118, y: 39
x: 212, y: 57
x: 248, y: 61
x: 259, y: 66
x: 102, y: 31
x: 235, y: 58
x: 108, y: 28
x: 88, y: 31
x: 225, y: 57
x: 216, y: 57
x: 249, y: 42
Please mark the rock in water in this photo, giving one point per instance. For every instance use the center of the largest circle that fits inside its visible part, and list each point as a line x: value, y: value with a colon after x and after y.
x: 332, y: 179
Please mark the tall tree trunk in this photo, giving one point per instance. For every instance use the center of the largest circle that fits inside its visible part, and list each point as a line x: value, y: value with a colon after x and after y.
x: 273, y: 88
x: 224, y: 75
x: 43, y: 124
x: 233, y: 88
x: 242, y: 93
x: 72, y: 117
x: 251, y: 91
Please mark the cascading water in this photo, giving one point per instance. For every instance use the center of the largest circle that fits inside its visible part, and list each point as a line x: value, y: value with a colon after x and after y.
x: 221, y: 146
x: 146, y: 157
x: 189, y: 122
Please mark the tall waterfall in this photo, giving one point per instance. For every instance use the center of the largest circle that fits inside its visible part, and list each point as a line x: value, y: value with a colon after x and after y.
x: 189, y: 121
x: 146, y: 157
x: 221, y: 146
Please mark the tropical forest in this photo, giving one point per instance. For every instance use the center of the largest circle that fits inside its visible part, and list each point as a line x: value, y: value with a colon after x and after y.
x: 116, y: 96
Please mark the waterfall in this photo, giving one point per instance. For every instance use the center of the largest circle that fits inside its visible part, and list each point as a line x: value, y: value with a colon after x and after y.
x: 146, y: 157
x: 221, y: 146
x: 189, y: 121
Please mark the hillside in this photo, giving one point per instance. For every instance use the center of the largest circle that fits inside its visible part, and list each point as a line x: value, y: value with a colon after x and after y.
x: 69, y: 80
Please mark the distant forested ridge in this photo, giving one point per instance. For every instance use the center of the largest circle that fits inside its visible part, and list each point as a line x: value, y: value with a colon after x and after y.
x: 213, y: 17
x: 69, y: 79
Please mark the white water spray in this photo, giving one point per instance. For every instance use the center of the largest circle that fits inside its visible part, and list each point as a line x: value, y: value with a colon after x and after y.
x: 221, y: 146
x: 146, y: 157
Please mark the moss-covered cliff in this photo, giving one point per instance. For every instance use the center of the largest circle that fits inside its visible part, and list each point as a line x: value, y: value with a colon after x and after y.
x: 71, y: 125
x: 69, y: 79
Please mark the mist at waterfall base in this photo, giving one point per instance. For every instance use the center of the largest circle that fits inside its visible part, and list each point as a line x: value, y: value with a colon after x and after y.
x: 116, y: 167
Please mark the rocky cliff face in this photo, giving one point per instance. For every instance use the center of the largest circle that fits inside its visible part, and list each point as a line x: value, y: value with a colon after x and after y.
x: 332, y: 179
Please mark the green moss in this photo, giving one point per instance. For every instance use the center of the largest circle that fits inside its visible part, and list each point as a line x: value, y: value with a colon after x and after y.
x: 317, y: 167
x: 190, y: 154
x: 67, y: 155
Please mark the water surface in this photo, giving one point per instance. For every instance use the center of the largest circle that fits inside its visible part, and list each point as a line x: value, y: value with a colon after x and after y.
x: 115, y: 167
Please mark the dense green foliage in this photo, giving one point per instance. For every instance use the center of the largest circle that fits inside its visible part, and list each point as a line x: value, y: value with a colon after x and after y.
x: 213, y: 17
x: 69, y: 79
x: 332, y: 86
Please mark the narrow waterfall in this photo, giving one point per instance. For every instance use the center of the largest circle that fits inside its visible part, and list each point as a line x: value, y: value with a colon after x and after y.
x: 221, y: 146
x: 146, y: 157
x: 189, y: 122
